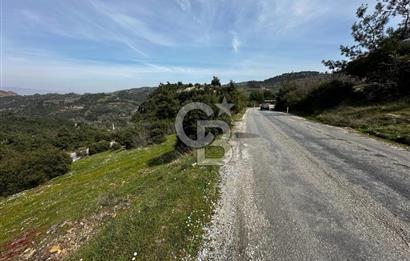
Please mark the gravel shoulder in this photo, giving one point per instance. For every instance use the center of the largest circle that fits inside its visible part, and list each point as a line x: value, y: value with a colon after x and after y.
x: 298, y: 190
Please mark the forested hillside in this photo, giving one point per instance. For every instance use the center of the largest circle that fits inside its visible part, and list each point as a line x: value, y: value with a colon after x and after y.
x: 260, y: 91
x: 98, y: 109
x: 37, y: 133
x: 274, y: 83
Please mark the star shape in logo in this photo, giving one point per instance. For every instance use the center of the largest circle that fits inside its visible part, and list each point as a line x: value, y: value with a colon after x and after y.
x: 224, y: 107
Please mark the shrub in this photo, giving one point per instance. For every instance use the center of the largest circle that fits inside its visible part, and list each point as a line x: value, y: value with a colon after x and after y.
x: 326, y: 96
x: 20, y: 171
x: 131, y: 137
x: 100, y: 146
x: 157, y: 136
x: 116, y: 146
x: 308, y: 100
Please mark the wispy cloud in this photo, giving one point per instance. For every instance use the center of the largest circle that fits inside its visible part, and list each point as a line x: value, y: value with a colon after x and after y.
x: 131, y: 25
x: 235, y: 42
x: 284, y: 15
x: 76, y: 26
x: 125, y: 43
x: 185, y: 5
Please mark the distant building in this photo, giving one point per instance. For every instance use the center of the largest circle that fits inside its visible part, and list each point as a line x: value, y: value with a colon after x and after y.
x: 74, y: 156
x: 77, y: 155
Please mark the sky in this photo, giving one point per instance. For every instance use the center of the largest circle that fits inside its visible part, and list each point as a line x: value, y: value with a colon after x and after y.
x: 100, y: 46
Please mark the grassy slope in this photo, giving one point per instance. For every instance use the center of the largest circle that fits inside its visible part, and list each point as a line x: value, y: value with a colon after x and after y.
x: 167, y: 204
x: 390, y: 121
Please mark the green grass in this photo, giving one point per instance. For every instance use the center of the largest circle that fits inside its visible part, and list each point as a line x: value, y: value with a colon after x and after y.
x: 390, y: 121
x: 169, y: 199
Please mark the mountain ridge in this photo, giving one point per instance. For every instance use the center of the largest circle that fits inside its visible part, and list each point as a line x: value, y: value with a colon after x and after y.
x: 114, y: 107
x: 4, y: 93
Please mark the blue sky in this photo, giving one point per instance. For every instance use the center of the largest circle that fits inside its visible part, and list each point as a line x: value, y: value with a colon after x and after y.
x: 100, y: 45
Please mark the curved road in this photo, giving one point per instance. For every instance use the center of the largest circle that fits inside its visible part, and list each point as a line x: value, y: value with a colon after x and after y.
x: 299, y: 190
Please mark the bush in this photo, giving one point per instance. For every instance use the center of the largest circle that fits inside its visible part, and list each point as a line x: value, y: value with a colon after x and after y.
x: 386, y: 69
x: 116, y: 146
x: 261, y: 96
x: 315, y: 99
x: 131, y: 137
x: 326, y: 96
x: 157, y: 114
x: 98, y: 147
x: 20, y: 171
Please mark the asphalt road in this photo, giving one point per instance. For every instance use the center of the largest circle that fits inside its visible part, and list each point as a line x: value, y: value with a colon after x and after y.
x: 299, y: 190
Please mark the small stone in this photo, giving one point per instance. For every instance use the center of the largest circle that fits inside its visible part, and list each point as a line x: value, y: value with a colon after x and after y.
x: 28, y: 253
x: 55, y: 249
x: 52, y: 229
x: 135, y: 253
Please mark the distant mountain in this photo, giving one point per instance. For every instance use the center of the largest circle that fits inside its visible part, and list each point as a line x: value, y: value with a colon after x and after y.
x: 291, y: 76
x: 7, y: 93
x: 26, y: 91
x: 101, y: 108
x: 275, y: 82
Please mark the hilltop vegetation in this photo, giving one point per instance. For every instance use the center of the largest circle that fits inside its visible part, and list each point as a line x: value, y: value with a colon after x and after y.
x: 273, y: 84
x: 260, y: 91
x: 162, y: 106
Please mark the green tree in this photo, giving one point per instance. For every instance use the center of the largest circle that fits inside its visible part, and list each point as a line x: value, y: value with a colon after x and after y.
x: 216, y: 82
x: 400, y: 8
x: 257, y: 96
x: 371, y: 29
x: 25, y: 170
x: 381, y: 56
x: 98, y: 147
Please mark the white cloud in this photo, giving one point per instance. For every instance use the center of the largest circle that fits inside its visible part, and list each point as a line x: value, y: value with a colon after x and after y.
x: 284, y: 15
x: 131, y: 25
x: 235, y: 42
x: 98, y: 21
x: 185, y: 5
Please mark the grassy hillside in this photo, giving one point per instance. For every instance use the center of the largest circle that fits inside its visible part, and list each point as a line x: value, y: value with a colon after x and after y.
x: 390, y: 120
x: 113, y: 206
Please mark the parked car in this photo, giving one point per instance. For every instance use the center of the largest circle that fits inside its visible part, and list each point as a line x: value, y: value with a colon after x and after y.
x: 265, y: 107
